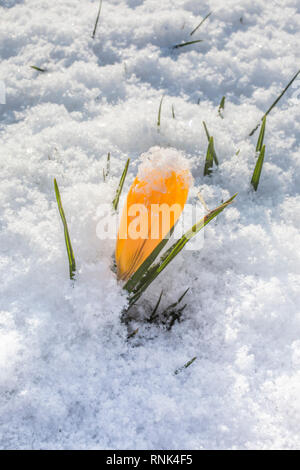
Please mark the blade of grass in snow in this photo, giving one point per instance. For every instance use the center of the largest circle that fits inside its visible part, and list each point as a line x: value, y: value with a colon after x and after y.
x: 153, y: 314
x: 173, y: 317
x: 71, y: 258
x: 170, y: 314
x: 108, y: 164
x: 188, y: 43
x: 173, y: 111
x: 151, y: 274
x: 206, y: 131
x: 213, y: 149
x: 221, y: 106
x: 180, y: 369
x: 180, y: 299
x: 38, y: 68
x: 141, y: 271
x: 133, y: 334
x: 159, y: 113
x: 97, y: 19
x: 106, y: 173
x: 201, y: 22
x: 175, y: 304
x: 275, y: 102
x: 209, y: 161
x: 260, y: 140
x: 179, y: 245
x: 258, y: 168
x: 120, y: 187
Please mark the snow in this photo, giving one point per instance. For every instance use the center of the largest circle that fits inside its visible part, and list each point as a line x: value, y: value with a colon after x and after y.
x: 68, y: 376
x: 157, y: 165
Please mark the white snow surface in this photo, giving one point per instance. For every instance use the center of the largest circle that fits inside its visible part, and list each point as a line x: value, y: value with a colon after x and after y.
x: 157, y: 165
x: 68, y: 376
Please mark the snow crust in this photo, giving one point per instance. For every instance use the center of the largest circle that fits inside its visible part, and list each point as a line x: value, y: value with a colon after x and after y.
x: 158, y: 164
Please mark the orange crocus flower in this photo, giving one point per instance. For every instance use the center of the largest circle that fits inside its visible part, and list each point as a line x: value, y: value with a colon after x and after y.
x: 154, y: 203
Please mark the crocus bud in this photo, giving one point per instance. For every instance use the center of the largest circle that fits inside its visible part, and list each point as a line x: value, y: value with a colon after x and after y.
x: 154, y: 203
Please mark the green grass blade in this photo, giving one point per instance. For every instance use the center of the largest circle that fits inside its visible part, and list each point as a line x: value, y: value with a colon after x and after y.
x: 71, y: 258
x: 180, y: 369
x: 258, y: 168
x: 206, y: 131
x: 131, y: 335
x: 173, y: 111
x: 188, y: 43
x: 260, y: 140
x: 106, y: 173
x: 201, y: 23
x: 213, y: 149
x: 173, y: 251
x: 275, y: 102
x: 136, y: 278
x: 221, y: 107
x: 181, y: 297
x: 38, y: 68
x: 174, y: 305
x: 170, y: 315
x: 153, y: 314
x: 97, y: 19
x: 159, y: 112
x: 120, y: 187
x: 179, y: 245
x: 209, y: 161
x: 173, y: 317
x: 107, y: 165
